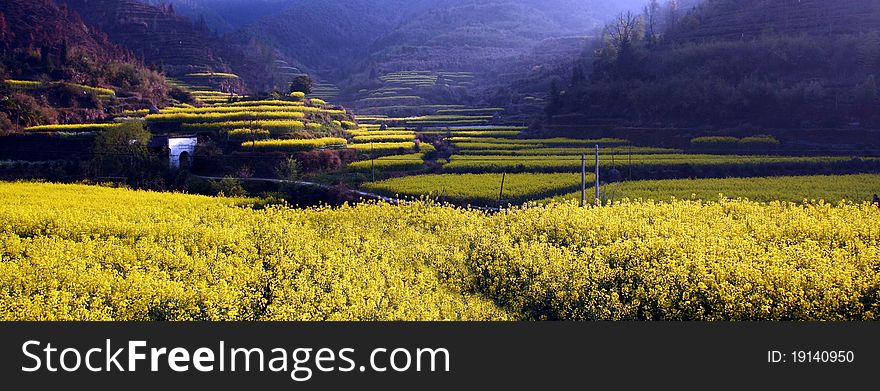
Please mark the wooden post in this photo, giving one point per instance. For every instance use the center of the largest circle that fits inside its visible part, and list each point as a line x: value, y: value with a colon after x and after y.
x: 501, y: 193
x: 598, y: 201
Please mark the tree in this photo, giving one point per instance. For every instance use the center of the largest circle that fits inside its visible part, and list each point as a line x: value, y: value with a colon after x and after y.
x: 289, y: 170
x: 65, y: 53
x: 866, y: 97
x: 652, y: 16
x: 231, y: 187
x: 625, y: 30
x: 577, y: 74
x: 672, y: 14
x: 622, y: 36
x: 302, y: 83
x: 556, y: 102
x: 122, y: 151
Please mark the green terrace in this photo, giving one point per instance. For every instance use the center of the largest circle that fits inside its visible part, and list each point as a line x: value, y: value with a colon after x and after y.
x: 31, y: 85
x: 572, y: 163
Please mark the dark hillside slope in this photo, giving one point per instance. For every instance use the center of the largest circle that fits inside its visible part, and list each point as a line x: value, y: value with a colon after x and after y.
x: 59, y: 70
x: 770, y: 64
x: 176, y: 44
x: 749, y: 18
x: 328, y: 36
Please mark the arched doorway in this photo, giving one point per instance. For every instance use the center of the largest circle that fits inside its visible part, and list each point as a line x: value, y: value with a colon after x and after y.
x: 185, y: 162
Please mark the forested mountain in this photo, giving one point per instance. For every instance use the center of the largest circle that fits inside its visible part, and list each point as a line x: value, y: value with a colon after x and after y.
x: 789, y: 63
x: 57, y: 69
x: 223, y: 16
x: 335, y: 39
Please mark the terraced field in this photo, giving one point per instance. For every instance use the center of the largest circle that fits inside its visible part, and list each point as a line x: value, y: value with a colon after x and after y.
x: 472, y: 173
x: 479, y: 189
x: 830, y: 188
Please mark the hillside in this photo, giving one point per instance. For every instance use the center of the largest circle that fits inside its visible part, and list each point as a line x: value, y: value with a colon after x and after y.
x: 223, y: 16
x: 332, y: 39
x: 750, y: 18
x: 178, y: 46
x: 766, y: 64
x: 58, y: 70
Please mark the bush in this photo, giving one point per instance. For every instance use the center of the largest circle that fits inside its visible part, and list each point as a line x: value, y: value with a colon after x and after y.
x: 319, y: 160
x: 248, y: 134
x: 230, y: 187
x: 715, y: 143
x: 6, y: 126
x: 760, y: 142
x: 298, y: 95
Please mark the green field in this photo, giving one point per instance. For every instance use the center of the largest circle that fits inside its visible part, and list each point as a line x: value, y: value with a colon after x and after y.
x: 480, y: 189
x: 394, y: 163
x: 834, y: 188
x: 479, y: 164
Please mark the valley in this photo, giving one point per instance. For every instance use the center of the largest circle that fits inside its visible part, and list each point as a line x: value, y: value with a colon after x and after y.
x: 451, y: 160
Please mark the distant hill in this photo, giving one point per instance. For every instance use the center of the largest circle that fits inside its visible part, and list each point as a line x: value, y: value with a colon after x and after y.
x: 224, y: 16
x: 736, y: 63
x: 56, y: 69
x: 716, y: 19
x: 333, y: 39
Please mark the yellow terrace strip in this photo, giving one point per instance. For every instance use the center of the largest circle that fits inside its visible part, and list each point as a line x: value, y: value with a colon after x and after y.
x: 294, y: 145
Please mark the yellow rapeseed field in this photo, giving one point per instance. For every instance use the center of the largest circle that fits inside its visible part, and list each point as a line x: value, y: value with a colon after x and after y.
x: 75, y: 252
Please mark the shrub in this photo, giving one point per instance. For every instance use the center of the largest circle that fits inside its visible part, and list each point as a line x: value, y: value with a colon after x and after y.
x: 714, y: 143
x: 231, y: 187
x: 319, y: 160
x: 317, y: 102
x: 298, y: 95
x: 73, y: 128
x: 248, y: 134
x: 762, y: 142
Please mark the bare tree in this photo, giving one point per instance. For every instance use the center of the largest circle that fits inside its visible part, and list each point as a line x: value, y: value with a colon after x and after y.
x: 672, y: 14
x: 625, y: 30
x: 652, y: 16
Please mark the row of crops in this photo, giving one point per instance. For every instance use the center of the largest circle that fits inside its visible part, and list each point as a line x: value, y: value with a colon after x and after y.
x: 74, y: 252
x: 414, y: 99
x: 496, y: 166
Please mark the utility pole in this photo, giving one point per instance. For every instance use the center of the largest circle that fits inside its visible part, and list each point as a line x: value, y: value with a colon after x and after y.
x: 583, y: 180
x: 598, y: 201
x: 501, y: 193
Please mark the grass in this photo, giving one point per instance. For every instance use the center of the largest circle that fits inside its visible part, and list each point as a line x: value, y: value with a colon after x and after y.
x: 480, y: 164
x: 482, y: 189
x: 383, y: 138
x: 276, y: 127
x: 376, y: 132
x: 559, y: 141
x: 218, y: 75
x: 76, y: 128
x: 833, y: 188
x: 383, y: 148
x: 394, y: 163
x: 182, y: 117
x: 30, y: 85
x: 293, y: 145
x: 619, y: 152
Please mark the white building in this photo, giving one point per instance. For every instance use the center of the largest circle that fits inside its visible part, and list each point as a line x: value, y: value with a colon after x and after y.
x: 181, y: 149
